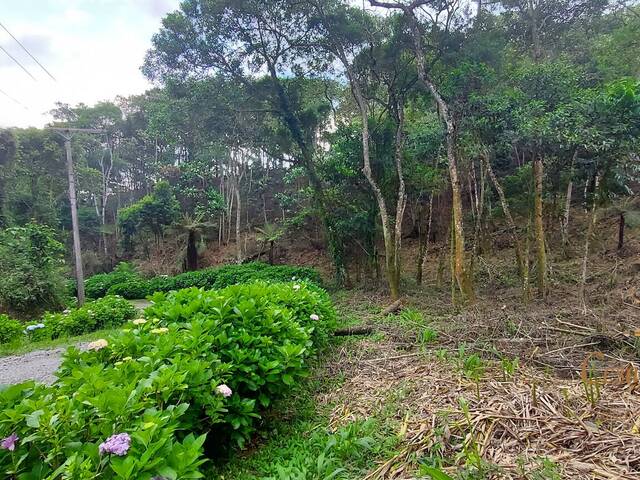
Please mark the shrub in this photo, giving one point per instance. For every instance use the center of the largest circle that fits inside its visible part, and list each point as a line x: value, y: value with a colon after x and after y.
x: 9, y: 329
x: 98, y: 285
x: 132, y: 289
x: 216, y: 278
x: 207, y: 362
x: 107, y: 312
x: 31, y: 270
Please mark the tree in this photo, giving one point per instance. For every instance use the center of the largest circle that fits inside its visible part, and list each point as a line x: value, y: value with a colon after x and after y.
x: 269, y: 233
x: 463, y: 274
x: 152, y: 212
x: 238, y: 40
x: 31, y: 270
x: 7, y: 157
x: 193, y: 228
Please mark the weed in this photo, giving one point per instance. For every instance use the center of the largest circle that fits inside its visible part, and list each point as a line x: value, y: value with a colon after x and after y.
x: 378, y: 337
x: 545, y: 469
x: 442, y: 354
x: 426, y: 336
x: 590, y: 379
x: 511, y: 327
x: 411, y: 315
x: 434, y: 473
x: 472, y: 367
x: 509, y: 367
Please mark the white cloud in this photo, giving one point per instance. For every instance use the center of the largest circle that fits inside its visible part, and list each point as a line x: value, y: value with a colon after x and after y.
x: 94, y: 48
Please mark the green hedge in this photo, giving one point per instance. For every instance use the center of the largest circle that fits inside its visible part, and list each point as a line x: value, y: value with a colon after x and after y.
x: 10, y: 329
x: 108, y: 312
x: 203, y: 363
x: 98, y: 285
x: 214, y: 278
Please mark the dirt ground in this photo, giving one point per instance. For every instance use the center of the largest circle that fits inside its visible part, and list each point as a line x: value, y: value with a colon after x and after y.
x: 513, y: 421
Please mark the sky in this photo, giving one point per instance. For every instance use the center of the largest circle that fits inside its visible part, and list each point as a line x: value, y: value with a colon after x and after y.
x: 93, y: 48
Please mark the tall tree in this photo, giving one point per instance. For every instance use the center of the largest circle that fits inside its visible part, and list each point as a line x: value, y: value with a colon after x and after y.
x: 439, y: 20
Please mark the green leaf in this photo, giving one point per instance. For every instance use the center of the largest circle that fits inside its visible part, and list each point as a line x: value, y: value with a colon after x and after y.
x: 33, y: 419
x: 436, y: 473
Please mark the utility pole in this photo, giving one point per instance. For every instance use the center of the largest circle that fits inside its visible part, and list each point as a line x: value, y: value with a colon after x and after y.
x: 67, y: 134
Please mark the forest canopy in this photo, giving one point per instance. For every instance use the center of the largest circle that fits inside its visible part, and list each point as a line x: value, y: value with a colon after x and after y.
x: 354, y: 127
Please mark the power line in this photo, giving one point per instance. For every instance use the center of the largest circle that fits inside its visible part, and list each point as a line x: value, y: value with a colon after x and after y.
x: 28, y: 52
x: 19, y: 64
x: 13, y: 99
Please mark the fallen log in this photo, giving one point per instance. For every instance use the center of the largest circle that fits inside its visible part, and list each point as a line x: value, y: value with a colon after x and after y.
x: 394, y: 307
x: 345, y: 332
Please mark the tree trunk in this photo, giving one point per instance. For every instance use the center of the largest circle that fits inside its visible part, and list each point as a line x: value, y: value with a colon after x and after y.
x: 513, y: 230
x: 478, y: 227
x: 238, y: 221
x: 293, y: 124
x: 75, y: 225
x: 587, y: 241
x: 192, y: 252
x: 535, y: 30
x: 3, y: 217
x: 391, y: 249
x: 564, y: 226
x: 541, y: 253
x: 462, y: 273
x: 621, y: 225
x: 424, y: 245
x: 271, y: 248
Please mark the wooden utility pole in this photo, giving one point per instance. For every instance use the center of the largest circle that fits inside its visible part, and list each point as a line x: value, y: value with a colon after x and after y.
x: 67, y: 134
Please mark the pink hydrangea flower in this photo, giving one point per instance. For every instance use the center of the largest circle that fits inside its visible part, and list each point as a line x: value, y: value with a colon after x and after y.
x: 10, y: 442
x: 224, y: 390
x: 315, y: 317
x: 116, y: 444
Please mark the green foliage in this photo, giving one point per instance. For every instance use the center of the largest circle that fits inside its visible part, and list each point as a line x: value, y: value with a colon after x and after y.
x: 509, y: 367
x: 98, y: 285
x: 158, y: 379
x: 31, y: 269
x: 435, y: 473
x: 331, y: 454
x: 152, y: 212
x: 427, y: 335
x: 543, y: 469
x: 107, y: 312
x: 215, y: 278
x: 10, y: 329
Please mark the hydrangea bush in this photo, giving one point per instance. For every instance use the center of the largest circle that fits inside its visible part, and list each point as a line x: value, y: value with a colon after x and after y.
x: 10, y: 329
x: 202, y: 365
x: 214, y: 278
x: 107, y: 312
x: 98, y: 285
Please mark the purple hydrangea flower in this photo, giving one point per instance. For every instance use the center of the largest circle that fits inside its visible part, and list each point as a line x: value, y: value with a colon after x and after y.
x: 116, y: 444
x: 9, y: 443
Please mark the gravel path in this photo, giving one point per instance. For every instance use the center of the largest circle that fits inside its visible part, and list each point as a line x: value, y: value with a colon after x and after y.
x: 39, y: 365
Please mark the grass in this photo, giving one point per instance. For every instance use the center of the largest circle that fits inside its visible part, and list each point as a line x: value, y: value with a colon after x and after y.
x: 299, y: 443
x: 301, y: 440
x: 25, y: 346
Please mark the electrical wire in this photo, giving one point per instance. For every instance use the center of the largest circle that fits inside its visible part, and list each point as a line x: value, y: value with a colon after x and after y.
x: 19, y: 64
x: 13, y: 99
x: 28, y: 52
